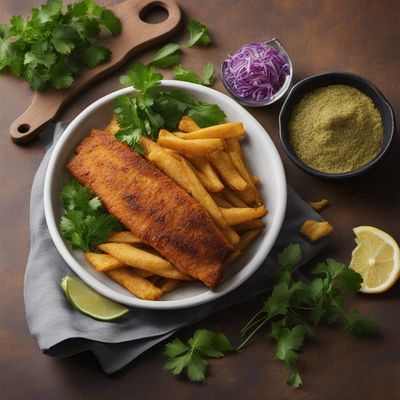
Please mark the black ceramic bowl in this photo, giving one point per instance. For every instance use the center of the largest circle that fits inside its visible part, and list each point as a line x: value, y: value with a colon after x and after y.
x: 337, y: 78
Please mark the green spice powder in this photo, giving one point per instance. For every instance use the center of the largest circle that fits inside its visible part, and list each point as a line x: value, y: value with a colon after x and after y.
x: 336, y: 129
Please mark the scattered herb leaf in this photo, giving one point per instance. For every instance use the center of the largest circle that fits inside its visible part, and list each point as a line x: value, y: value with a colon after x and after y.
x: 182, y: 74
x: 198, y: 34
x: 191, y: 358
x: 167, y: 56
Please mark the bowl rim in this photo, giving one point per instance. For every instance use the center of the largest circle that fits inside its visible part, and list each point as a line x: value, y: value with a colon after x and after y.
x: 260, y: 255
x: 285, y: 110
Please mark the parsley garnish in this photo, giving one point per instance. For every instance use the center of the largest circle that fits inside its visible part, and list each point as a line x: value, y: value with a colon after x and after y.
x: 181, y: 74
x: 293, y: 307
x: 153, y: 108
x: 191, y: 358
x: 84, y: 223
x: 48, y: 48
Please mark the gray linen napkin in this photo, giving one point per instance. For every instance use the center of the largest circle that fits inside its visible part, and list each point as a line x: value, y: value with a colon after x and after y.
x: 61, y: 331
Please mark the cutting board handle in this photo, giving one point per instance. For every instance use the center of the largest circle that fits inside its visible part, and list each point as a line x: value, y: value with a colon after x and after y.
x: 135, y: 36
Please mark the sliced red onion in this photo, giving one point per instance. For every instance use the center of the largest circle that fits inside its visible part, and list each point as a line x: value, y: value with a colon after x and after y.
x: 256, y: 71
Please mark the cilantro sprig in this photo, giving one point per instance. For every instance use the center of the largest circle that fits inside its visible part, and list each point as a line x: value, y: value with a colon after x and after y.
x: 182, y: 74
x: 84, y: 223
x: 191, y: 358
x: 152, y: 108
x: 49, y: 48
x: 170, y: 54
x: 294, y: 307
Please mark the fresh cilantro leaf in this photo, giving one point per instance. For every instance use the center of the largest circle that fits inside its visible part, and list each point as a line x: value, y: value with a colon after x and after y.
x: 198, y: 34
x: 191, y: 357
x: 84, y: 223
x: 350, y: 280
x: 208, y: 74
x: 167, y: 56
x: 110, y: 22
x: 94, y: 55
x: 361, y: 326
x: 290, y: 256
x: 181, y: 74
x: 141, y: 77
x: 206, y: 114
x: 175, y: 348
x: 329, y: 268
x: 294, y: 378
x: 278, y: 302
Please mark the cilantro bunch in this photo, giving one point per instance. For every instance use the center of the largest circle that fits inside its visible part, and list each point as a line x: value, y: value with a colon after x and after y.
x: 290, y: 313
x: 294, y: 307
x: 85, y: 223
x: 49, y: 48
x: 152, y: 108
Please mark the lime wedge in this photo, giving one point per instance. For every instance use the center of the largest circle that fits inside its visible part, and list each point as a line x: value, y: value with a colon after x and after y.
x: 89, y: 302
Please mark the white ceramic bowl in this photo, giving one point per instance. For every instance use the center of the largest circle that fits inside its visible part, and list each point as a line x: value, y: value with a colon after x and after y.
x: 262, y: 157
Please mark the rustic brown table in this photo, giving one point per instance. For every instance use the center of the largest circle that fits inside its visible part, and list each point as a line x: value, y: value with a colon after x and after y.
x: 345, y: 35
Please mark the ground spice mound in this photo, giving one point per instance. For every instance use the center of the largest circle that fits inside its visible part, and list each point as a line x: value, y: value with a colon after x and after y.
x: 335, y: 129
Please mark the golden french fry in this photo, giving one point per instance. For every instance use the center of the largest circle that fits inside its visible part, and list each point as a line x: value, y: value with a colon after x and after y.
x: 203, y: 179
x: 103, y: 262
x: 233, y: 198
x: 187, y: 124
x: 169, y: 285
x: 189, y: 182
x: 137, y: 285
x: 237, y: 161
x: 315, y: 230
x: 123, y: 237
x: 256, y: 180
x: 249, y: 225
x: 204, y: 166
x: 235, y: 216
x: 142, y: 259
x: 221, y: 131
x: 220, y: 201
x: 112, y: 126
x: 190, y: 148
x: 234, y: 255
x: 222, y: 163
x: 247, y: 238
x: 202, y: 196
x: 318, y: 205
x: 174, y: 154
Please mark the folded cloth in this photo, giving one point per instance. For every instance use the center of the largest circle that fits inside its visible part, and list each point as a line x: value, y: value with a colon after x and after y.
x: 61, y: 331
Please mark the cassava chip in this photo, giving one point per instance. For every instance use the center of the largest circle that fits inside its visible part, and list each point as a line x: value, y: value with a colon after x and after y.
x: 315, y: 230
x: 318, y: 205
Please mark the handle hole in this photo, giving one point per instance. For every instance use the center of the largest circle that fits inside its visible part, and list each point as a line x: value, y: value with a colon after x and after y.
x: 24, y: 128
x: 154, y: 13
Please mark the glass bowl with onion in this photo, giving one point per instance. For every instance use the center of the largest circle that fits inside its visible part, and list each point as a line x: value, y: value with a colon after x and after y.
x: 258, y: 74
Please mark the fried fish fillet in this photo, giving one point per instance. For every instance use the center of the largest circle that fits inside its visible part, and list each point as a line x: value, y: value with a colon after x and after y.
x: 152, y: 206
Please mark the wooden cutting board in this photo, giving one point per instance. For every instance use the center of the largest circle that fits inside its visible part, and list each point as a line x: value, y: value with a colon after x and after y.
x: 136, y: 35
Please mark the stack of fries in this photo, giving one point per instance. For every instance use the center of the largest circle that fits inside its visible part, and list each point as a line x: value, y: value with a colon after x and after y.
x: 209, y: 164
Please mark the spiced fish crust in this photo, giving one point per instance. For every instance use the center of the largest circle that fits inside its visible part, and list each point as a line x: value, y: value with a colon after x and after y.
x: 152, y: 206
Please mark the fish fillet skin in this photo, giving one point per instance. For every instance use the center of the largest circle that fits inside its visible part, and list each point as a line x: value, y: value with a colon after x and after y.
x: 152, y: 206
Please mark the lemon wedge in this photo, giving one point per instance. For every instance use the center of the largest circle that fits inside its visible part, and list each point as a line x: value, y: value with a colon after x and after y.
x: 376, y: 258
